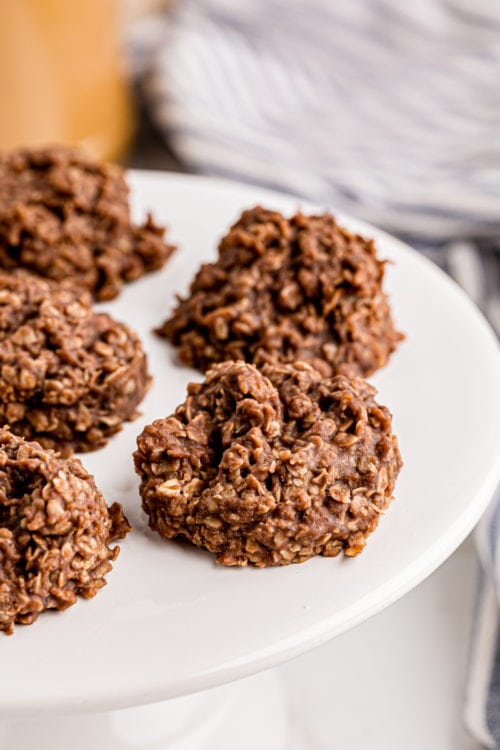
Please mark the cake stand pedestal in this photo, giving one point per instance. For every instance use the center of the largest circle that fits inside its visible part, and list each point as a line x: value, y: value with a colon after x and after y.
x: 247, y: 714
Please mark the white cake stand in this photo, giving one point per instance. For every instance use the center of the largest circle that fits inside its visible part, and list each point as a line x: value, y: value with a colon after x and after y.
x: 171, y: 622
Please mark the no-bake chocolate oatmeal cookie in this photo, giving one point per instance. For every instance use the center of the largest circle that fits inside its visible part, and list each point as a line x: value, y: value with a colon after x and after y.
x: 69, y: 377
x: 55, y: 532
x: 66, y: 215
x: 270, y: 467
x: 287, y: 289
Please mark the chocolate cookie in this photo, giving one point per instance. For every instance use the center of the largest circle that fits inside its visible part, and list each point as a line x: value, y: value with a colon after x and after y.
x: 55, y: 531
x: 287, y: 289
x: 270, y: 467
x: 69, y: 377
x: 65, y: 215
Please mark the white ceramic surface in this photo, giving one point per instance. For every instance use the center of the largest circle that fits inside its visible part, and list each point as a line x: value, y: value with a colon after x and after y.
x: 419, y: 660
x: 397, y: 681
x: 211, y: 720
x: 171, y: 622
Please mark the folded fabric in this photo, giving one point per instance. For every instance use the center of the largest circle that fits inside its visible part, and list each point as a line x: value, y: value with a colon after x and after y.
x: 482, y: 710
x: 387, y: 110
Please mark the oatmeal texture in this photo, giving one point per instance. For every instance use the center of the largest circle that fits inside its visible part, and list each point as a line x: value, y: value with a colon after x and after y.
x: 69, y: 377
x: 270, y: 467
x: 287, y: 289
x: 55, y: 531
x: 65, y: 215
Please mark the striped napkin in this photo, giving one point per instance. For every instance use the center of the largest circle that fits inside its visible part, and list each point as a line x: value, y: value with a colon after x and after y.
x: 482, y: 707
x: 384, y: 109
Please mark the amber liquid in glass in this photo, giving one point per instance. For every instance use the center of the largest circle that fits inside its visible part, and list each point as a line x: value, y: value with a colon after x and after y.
x: 62, y: 77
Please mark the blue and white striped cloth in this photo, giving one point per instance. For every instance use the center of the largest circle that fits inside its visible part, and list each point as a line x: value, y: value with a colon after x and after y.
x: 482, y: 706
x: 387, y: 110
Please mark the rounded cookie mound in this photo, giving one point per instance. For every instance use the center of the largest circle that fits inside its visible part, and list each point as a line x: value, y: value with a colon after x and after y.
x: 55, y: 531
x: 69, y: 376
x: 64, y: 214
x: 287, y: 289
x: 270, y: 467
